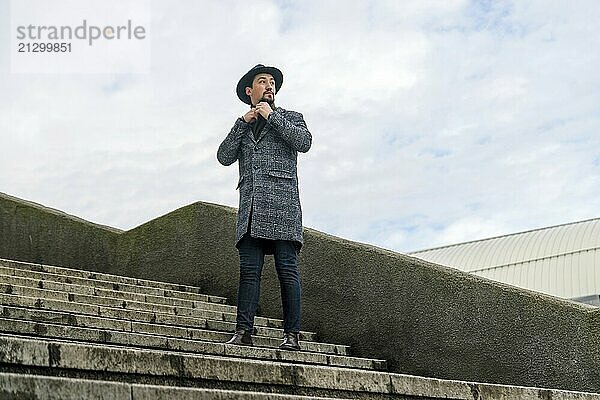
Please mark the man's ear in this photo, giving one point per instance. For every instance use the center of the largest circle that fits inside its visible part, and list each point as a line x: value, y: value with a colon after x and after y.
x: 248, y: 91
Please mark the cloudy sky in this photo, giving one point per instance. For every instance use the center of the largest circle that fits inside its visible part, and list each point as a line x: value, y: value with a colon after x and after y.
x: 433, y: 122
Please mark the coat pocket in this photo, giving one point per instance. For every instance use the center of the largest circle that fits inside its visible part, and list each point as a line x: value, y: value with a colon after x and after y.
x: 281, y: 174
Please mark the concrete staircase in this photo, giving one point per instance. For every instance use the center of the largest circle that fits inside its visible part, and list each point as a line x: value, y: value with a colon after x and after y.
x: 73, y: 334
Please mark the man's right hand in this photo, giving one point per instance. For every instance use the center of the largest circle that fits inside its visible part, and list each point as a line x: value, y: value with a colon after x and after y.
x: 250, y: 115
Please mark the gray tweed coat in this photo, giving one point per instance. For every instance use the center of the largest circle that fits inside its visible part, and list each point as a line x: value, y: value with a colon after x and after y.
x: 268, y: 180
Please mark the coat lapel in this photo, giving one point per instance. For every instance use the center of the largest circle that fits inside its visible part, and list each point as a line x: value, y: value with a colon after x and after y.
x: 265, y: 130
x: 251, y: 135
x: 262, y: 133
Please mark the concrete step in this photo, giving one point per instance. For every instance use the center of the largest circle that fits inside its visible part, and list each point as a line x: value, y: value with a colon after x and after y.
x: 147, y: 365
x: 58, y: 278
x: 87, y: 321
x: 112, y: 297
x: 25, y: 291
x: 39, y: 387
x: 31, y: 275
x: 168, y: 289
x: 44, y: 280
x: 264, y: 349
x: 137, y: 366
x: 75, y: 314
x: 134, y: 324
x: 172, y: 317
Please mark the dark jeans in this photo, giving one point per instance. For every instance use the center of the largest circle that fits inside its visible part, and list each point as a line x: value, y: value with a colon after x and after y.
x: 252, y: 256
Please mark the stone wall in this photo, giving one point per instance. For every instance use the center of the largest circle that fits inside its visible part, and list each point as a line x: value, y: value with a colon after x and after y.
x: 34, y: 233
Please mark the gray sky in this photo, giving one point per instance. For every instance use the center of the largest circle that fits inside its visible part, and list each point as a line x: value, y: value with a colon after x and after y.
x: 433, y: 122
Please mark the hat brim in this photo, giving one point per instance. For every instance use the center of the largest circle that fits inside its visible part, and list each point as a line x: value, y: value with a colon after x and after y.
x: 246, y: 81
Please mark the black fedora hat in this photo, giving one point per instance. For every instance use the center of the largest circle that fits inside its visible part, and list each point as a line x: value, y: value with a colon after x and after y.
x: 247, y: 79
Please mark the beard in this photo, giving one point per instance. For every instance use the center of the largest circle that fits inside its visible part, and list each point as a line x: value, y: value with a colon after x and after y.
x: 271, y: 101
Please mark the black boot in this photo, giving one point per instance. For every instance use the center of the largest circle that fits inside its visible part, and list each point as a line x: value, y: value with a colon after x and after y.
x: 241, y: 337
x: 290, y: 341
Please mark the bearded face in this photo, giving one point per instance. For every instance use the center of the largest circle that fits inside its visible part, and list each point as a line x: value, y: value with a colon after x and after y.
x: 263, y: 89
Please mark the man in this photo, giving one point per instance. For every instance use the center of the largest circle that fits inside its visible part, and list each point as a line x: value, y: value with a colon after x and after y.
x: 265, y: 141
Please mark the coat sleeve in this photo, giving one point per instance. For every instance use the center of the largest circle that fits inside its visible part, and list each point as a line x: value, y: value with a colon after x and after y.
x: 229, y: 149
x: 292, y: 130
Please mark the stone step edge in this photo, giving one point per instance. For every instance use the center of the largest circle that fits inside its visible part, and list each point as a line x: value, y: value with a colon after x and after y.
x: 326, y: 348
x: 124, y: 287
x: 38, y: 303
x: 97, y: 301
x: 53, y: 316
x: 69, y: 356
x: 42, y: 387
x: 68, y: 296
x: 144, y: 340
x: 233, y: 353
x: 82, y: 291
x: 94, y: 300
x: 132, y: 324
x: 109, y: 277
x: 116, y: 294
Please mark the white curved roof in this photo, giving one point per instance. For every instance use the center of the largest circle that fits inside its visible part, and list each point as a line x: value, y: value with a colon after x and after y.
x: 561, y: 260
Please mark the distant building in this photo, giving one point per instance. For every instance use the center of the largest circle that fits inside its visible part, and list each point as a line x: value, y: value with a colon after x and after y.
x: 562, y: 260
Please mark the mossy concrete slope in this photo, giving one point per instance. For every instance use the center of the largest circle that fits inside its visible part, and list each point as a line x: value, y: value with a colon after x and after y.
x: 423, y: 318
x: 34, y: 233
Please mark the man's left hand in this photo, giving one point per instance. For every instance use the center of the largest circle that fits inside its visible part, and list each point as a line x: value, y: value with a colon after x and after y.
x: 264, y: 109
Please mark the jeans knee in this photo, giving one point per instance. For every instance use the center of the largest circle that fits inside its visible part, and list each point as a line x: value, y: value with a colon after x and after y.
x: 250, y: 273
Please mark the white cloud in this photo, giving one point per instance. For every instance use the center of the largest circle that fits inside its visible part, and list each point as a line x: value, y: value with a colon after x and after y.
x: 433, y: 122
